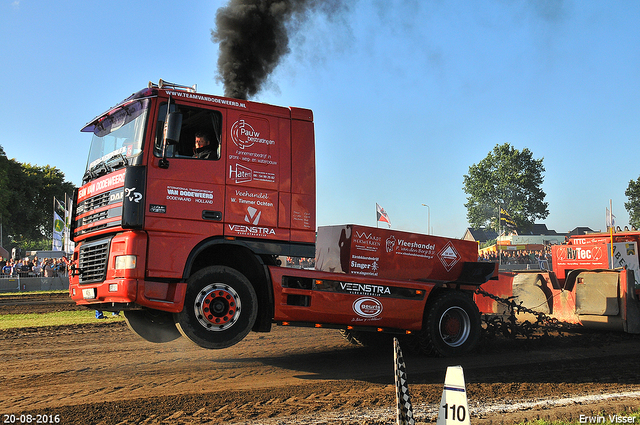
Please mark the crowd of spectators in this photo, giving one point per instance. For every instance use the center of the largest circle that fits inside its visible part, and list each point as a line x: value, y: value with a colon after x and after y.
x: 300, y: 262
x: 518, y: 257
x: 47, y: 267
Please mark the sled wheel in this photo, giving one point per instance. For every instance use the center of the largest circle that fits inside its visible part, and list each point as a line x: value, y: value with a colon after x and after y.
x: 220, y: 308
x: 152, y: 325
x: 452, y: 326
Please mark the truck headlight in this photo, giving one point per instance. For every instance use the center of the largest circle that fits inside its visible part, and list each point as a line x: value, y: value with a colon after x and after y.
x: 124, y: 262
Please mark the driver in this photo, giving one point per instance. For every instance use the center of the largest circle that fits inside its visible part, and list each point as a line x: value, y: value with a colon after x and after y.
x: 203, y: 148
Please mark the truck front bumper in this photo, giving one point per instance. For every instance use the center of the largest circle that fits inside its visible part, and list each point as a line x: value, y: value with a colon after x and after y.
x: 122, y: 294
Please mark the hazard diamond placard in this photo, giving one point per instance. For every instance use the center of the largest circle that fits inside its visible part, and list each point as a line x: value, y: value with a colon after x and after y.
x: 449, y: 256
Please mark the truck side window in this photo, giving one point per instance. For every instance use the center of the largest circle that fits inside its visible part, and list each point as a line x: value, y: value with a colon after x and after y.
x: 204, y: 125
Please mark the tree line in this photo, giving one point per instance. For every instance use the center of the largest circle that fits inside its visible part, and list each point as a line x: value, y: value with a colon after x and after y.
x: 510, y: 179
x: 26, y: 203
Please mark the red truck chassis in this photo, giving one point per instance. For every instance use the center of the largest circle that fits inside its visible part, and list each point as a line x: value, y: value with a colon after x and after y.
x: 190, y: 243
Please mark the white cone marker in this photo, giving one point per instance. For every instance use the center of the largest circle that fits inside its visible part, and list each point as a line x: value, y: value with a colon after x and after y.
x: 453, y: 405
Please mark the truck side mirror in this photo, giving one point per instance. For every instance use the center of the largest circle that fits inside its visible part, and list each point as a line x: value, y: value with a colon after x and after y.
x: 172, y: 128
x: 170, y: 135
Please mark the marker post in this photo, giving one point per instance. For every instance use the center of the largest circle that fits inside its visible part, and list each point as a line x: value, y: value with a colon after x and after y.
x: 403, y: 398
x: 453, y: 405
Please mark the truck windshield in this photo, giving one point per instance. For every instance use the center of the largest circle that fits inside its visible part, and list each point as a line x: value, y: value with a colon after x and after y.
x: 117, y: 139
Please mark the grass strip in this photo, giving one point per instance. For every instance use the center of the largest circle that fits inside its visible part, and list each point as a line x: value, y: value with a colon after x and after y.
x: 632, y: 417
x: 58, y: 318
x: 14, y: 293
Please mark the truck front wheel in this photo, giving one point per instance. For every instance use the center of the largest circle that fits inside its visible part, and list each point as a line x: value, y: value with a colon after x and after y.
x: 220, y: 308
x: 452, y: 325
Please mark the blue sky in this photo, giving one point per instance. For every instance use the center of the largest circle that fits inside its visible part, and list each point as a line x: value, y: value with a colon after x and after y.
x: 406, y: 94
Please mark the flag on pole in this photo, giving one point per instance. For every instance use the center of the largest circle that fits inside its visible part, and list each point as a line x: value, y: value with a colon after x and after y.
x: 382, y: 215
x: 506, y: 219
x: 59, y: 211
x: 69, y: 245
x: 611, y: 219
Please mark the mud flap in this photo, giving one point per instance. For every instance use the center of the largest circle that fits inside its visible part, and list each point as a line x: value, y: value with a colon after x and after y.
x: 598, y: 300
x: 529, y: 289
x: 597, y: 293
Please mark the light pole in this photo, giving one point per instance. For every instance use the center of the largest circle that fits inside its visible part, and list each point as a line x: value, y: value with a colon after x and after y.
x: 428, y: 218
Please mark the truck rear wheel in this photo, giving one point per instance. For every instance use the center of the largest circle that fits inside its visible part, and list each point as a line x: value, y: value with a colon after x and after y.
x: 220, y: 308
x: 451, y: 327
x: 152, y: 325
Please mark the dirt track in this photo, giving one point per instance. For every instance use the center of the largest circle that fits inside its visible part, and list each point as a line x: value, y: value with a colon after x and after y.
x: 104, y: 374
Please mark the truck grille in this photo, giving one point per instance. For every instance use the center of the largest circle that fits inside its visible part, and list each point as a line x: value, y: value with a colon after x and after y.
x: 111, y: 205
x: 95, y: 220
x: 94, y: 203
x: 93, y: 261
x: 95, y: 217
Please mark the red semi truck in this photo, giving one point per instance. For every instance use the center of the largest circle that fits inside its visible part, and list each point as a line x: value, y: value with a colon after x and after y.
x: 192, y: 247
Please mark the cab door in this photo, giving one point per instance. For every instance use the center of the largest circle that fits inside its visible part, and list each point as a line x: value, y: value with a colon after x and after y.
x: 185, y: 201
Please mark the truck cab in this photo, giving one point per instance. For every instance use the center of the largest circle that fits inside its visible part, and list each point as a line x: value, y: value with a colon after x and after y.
x: 151, y: 213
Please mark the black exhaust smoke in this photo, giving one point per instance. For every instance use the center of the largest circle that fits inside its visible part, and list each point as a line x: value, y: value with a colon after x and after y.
x: 253, y: 36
